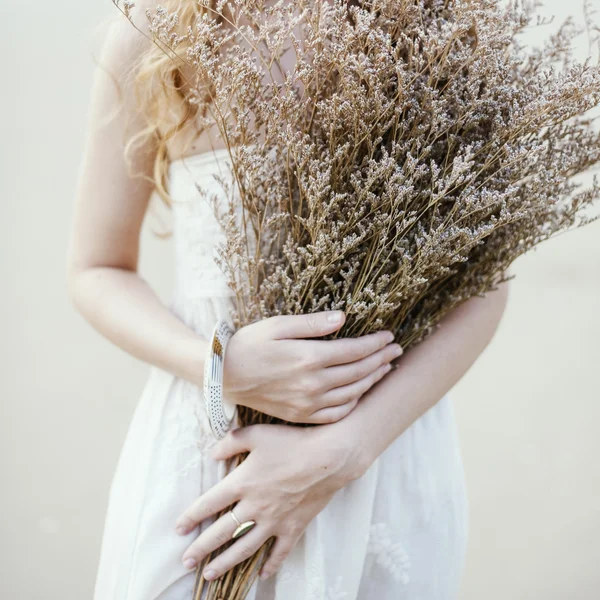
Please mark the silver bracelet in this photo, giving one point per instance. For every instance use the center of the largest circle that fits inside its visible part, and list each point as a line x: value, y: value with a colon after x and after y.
x: 220, y: 412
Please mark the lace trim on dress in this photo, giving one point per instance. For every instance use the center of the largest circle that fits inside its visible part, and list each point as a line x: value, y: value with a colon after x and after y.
x: 387, y: 554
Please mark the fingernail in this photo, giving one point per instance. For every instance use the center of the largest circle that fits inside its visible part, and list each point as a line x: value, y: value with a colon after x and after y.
x: 209, y: 574
x: 181, y: 531
x: 335, y: 317
x: 264, y: 575
x: 188, y: 563
x: 390, y: 337
x: 398, y: 350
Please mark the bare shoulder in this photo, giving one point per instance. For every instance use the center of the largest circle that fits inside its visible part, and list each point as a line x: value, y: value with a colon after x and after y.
x: 128, y: 35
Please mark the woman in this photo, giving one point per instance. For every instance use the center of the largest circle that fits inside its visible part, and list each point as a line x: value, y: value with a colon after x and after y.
x: 368, y: 504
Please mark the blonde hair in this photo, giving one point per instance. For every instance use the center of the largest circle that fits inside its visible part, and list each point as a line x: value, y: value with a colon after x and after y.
x: 162, y: 98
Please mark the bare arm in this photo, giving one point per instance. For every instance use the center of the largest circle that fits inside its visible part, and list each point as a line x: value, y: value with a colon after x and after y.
x: 109, y: 210
x: 424, y: 375
x: 300, y: 469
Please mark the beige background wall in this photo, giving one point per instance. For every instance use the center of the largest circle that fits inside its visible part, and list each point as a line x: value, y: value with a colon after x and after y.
x: 529, y: 411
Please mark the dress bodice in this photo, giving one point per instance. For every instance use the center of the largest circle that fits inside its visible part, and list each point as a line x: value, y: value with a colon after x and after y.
x: 195, y: 228
x: 200, y: 285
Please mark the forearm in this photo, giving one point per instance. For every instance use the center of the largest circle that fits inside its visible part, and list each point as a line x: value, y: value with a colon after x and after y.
x: 424, y: 375
x: 124, y: 308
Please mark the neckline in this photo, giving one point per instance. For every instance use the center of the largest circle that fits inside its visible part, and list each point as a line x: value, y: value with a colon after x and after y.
x: 200, y: 157
x: 204, y: 157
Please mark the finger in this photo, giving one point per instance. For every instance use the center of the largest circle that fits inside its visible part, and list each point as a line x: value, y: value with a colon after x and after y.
x: 220, y: 496
x: 237, y: 441
x: 308, y: 325
x: 354, y: 391
x: 331, y: 414
x: 340, y: 375
x: 211, y: 538
x: 279, y: 552
x: 348, y: 350
x: 248, y: 545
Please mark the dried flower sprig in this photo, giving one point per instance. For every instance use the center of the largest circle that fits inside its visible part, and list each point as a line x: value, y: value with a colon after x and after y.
x: 395, y: 166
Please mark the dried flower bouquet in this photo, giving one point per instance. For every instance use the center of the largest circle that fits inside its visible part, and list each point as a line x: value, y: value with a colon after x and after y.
x: 412, y: 150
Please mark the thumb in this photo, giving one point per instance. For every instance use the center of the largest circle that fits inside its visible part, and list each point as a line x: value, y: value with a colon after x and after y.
x: 308, y: 325
x: 235, y: 442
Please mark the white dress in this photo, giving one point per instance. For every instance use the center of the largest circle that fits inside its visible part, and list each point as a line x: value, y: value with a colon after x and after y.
x: 397, y: 533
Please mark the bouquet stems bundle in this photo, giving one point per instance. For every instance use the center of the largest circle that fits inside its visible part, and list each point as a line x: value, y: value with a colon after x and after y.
x: 389, y: 158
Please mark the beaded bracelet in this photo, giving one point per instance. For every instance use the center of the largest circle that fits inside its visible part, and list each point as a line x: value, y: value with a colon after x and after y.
x: 220, y: 413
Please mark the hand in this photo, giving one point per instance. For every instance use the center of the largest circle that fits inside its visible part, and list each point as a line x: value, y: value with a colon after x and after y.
x: 270, y: 368
x: 289, y: 476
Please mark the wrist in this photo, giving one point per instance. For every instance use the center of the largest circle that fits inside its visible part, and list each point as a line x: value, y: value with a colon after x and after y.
x: 235, y: 389
x: 363, y: 455
x: 230, y: 391
x: 192, y: 353
x: 354, y: 449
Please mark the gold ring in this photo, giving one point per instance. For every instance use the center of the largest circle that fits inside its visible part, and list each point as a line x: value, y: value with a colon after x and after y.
x: 241, y: 528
